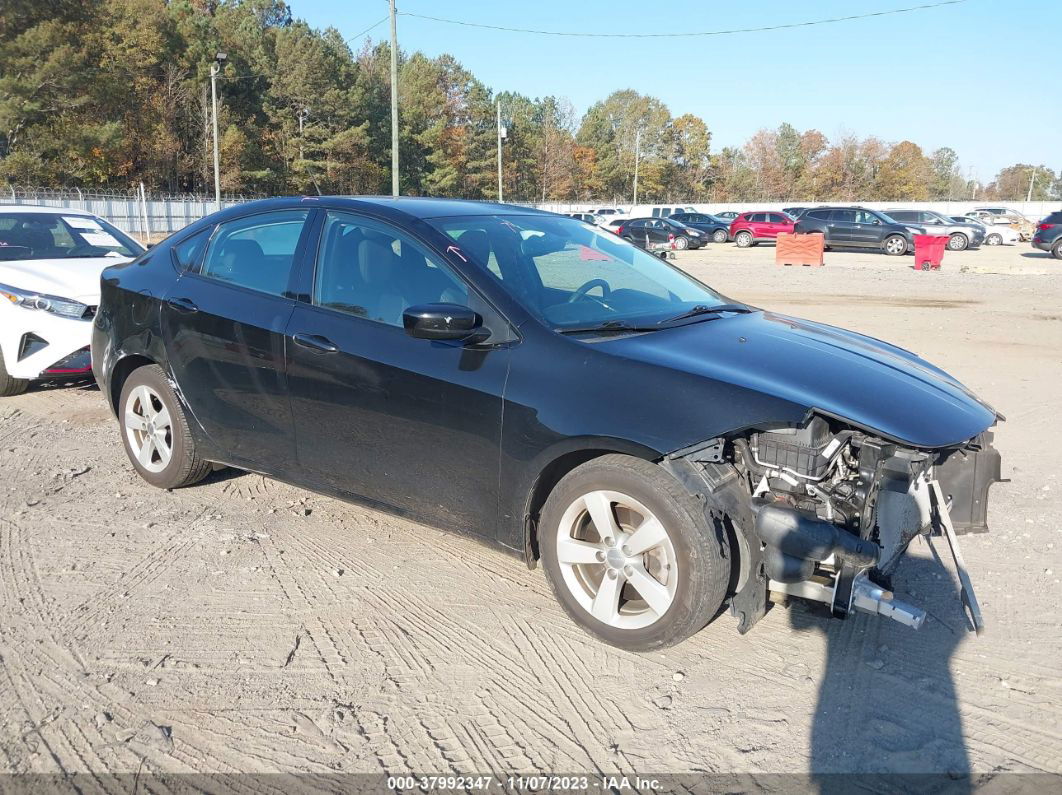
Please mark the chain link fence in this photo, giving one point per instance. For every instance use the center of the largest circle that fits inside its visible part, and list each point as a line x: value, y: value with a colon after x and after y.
x: 144, y: 214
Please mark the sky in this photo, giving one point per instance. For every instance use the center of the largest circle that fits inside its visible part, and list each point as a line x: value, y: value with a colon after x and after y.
x: 979, y: 76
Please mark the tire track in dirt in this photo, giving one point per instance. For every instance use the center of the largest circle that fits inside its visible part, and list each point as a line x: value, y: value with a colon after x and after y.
x: 148, y: 569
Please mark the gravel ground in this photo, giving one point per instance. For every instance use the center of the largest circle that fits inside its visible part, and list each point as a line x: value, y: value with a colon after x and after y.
x: 247, y: 626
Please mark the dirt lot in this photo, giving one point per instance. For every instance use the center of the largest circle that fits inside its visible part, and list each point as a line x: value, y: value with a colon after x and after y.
x: 244, y: 625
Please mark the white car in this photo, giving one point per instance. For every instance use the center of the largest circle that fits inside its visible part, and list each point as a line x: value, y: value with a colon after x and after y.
x: 50, y: 264
x: 996, y: 233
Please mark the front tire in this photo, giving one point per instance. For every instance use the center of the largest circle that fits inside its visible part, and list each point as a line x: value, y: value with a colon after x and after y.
x: 743, y: 239
x: 682, y: 243
x: 958, y: 242
x: 155, y: 431
x: 895, y: 245
x: 631, y: 555
x: 10, y: 386
x: 994, y: 239
x: 719, y: 236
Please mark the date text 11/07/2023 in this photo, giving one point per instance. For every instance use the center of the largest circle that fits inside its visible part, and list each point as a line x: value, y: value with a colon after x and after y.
x: 530, y: 782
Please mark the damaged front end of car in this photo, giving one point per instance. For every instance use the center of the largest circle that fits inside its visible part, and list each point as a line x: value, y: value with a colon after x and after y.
x: 825, y: 512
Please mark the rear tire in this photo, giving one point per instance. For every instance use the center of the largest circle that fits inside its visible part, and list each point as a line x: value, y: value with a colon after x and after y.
x: 155, y: 431
x: 10, y: 386
x: 1056, y: 250
x: 743, y: 239
x: 657, y: 572
x: 958, y: 242
x: 994, y: 239
x: 719, y: 236
x: 895, y: 245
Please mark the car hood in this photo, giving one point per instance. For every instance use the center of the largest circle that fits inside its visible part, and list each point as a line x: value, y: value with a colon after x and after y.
x: 66, y: 278
x: 861, y: 380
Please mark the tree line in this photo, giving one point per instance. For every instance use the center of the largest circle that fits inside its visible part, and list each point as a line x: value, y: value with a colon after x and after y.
x: 108, y: 93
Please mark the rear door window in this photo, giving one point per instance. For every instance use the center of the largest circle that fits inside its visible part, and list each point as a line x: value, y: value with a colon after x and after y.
x: 256, y: 252
x: 843, y: 216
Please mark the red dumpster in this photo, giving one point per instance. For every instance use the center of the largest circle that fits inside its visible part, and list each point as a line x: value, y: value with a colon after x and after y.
x: 929, y: 251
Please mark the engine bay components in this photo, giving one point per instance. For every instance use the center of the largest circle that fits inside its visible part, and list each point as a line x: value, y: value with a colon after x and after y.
x: 827, y: 511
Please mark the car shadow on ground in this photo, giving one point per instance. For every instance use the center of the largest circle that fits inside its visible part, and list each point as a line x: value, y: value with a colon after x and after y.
x: 1037, y: 254
x: 887, y: 704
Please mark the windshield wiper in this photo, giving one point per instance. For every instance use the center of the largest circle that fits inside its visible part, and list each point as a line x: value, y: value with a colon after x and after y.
x: 702, y: 309
x: 608, y: 327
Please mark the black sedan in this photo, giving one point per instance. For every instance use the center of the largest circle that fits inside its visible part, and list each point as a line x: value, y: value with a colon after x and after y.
x: 549, y: 388
x: 717, y: 229
x: 660, y: 233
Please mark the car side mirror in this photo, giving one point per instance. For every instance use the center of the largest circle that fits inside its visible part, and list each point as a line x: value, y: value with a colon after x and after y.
x: 444, y: 322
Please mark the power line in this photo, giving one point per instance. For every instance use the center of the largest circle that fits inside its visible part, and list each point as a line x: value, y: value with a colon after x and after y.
x: 373, y: 25
x: 582, y: 34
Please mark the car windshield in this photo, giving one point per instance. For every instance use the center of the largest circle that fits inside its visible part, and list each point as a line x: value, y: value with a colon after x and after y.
x: 28, y: 236
x: 572, y: 276
x: 886, y: 218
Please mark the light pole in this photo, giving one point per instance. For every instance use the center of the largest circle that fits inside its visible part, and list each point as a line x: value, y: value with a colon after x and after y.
x: 637, y: 157
x: 394, y: 100
x: 501, y: 135
x: 219, y: 59
x: 1032, y: 181
x: 302, y: 113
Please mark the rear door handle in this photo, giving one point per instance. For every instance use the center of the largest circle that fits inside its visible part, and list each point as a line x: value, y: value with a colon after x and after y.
x: 315, y: 342
x: 185, y: 305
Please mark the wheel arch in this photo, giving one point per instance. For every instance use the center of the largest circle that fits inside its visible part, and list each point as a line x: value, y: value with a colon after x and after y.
x: 120, y: 373
x: 553, y: 465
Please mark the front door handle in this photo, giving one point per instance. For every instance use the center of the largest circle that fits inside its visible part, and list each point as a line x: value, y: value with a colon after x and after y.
x: 185, y: 305
x: 315, y: 342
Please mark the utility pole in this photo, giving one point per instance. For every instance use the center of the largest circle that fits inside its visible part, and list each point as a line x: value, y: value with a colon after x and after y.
x: 1032, y: 181
x: 302, y: 113
x: 394, y: 99
x: 637, y: 157
x: 219, y: 59
x: 500, y: 135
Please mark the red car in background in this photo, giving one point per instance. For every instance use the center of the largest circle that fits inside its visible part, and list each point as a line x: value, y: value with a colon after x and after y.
x: 748, y: 229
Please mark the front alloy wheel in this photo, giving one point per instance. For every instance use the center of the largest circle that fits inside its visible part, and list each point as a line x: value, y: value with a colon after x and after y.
x: 895, y: 245
x: 630, y: 553
x: 743, y: 239
x: 682, y: 243
x: 958, y: 242
x: 617, y: 559
x: 719, y: 236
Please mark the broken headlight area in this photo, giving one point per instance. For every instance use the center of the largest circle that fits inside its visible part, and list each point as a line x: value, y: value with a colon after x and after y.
x: 825, y: 512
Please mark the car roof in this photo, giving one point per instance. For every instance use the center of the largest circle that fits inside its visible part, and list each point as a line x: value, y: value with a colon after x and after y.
x: 37, y: 208
x: 397, y: 208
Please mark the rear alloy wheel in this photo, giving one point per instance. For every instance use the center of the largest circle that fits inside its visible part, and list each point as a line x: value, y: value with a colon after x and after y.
x: 155, y: 431
x: 682, y: 243
x: 1056, y: 250
x: 994, y: 239
x: 743, y: 239
x: 630, y: 554
x: 958, y: 242
x: 719, y: 236
x: 9, y: 387
x: 895, y: 245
